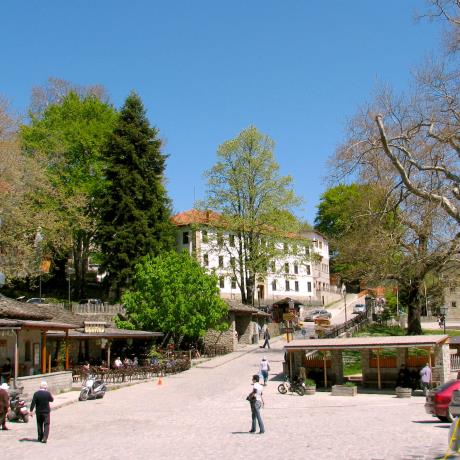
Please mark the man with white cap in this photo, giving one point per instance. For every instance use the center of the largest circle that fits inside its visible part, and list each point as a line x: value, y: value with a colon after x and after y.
x: 41, y: 401
x: 4, y: 404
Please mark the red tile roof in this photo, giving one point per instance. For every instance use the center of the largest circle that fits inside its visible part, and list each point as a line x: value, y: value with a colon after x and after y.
x: 196, y: 216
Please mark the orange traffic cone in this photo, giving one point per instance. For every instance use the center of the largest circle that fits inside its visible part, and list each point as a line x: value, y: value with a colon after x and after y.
x: 160, y: 382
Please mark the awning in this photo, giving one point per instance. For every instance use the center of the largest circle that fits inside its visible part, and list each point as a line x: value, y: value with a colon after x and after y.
x: 367, y: 342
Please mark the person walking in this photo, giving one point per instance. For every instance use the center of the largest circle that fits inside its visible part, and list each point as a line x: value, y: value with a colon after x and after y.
x: 264, y: 368
x: 256, y: 402
x: 41, y: 400
x: 425, y: 376
x: 266, y: 338
x: 4, y: 404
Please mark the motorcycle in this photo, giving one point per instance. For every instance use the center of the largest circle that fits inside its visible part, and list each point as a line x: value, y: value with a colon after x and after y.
x: 18, y: 409
x: 92, y: 388
x: 296, y: 386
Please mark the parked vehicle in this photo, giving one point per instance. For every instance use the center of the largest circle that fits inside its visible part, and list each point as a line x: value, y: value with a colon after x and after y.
x: 90, y: 302
x: 296, y: 386
x: 317, y: 313
x: 92, y: 389
x: 438, y: 400
x: 36, y: 300
x: 359, y: 308
x: 18, y: 408
x: 454, y: 405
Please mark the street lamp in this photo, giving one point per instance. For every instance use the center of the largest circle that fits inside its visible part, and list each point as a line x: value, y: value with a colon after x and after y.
x: 344, y: 293
x: 444, y: 309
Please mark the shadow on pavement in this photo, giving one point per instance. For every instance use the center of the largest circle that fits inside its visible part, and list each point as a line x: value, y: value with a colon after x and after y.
x: 29, y: 440
x: 241, y: 432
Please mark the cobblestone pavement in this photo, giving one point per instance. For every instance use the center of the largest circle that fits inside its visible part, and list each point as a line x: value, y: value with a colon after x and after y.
x: 202, y: 414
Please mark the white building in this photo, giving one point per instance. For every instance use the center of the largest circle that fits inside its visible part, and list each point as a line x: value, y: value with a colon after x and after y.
x: 302, y: 276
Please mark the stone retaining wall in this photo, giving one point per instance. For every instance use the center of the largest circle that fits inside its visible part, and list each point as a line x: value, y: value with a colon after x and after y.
x: 57, y: 383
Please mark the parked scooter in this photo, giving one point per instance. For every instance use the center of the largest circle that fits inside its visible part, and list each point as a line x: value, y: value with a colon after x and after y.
x: 296, y: 386
x: 92, y: 389
x: 18, y: 408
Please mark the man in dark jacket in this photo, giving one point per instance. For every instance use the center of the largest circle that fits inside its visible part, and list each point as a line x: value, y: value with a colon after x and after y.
x: 266, y: 338
x: 41, y: 401
x: 4, y: 404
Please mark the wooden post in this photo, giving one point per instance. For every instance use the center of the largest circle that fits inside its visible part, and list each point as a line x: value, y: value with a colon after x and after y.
x: 325, y: 369
x: 16, y: 358
x: 290, y: 366
x: 429, y: 357
x: 43, y: 352
x: 49, y: 363
x: 67, y: 350
x: 109, y: 344
x: 379, y: 378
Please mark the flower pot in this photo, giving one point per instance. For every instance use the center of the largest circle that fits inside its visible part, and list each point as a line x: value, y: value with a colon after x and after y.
x: 343, y: 390
x: 402, y: 392
x: 310, y: 390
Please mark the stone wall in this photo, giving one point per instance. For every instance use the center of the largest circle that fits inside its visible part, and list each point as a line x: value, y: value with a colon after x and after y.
x: 57, y: 383
x: 224, y: 339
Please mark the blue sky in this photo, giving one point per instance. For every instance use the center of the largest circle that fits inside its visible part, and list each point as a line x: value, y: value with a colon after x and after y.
x: 206, y: 69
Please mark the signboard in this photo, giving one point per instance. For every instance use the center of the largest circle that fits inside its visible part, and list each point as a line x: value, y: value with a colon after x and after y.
x: 45, y: 265
x: 288, y: 316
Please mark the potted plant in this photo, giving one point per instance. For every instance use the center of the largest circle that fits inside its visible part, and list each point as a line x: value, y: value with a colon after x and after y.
x: 310, y: 386
x: 347, y: 389
x: 402, y: 392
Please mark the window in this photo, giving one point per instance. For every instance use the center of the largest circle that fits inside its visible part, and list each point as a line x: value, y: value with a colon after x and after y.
x: 233, y: 283
x: 273, y: 266
x: 307, y: 250
x: 296, y: 269
x: 309, y: 286
x: 274, y: 285
x: 231, y: 241
x: 221, y: 282
x: 285, y: 248
x: 286, y: 267
x: 205, y: 260
x: 321, y: 245
x: 221, y: 261
x: 287, y: 285
x: 204, y: 236
x: 220, y: 239
x: 308, y: 270
x: 232, y: 262
x: 453, y: 304
x: 185, y: 238
x: 296, y: 286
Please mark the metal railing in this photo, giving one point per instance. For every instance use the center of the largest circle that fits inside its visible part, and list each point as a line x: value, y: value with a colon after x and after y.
x: 97, y: 308
x: 354, y: 324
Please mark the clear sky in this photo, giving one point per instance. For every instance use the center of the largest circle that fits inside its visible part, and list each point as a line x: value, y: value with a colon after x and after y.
x: 206, y: 69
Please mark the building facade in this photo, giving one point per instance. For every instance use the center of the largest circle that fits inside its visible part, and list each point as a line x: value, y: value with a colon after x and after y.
x: 300, y: 272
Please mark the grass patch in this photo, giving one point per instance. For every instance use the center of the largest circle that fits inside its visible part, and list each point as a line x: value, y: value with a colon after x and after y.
x: 379, y: 330
x: 449, y: 332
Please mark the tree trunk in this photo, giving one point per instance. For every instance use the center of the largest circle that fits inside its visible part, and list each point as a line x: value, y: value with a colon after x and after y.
x: 80, y: 258
x: 414, y: 326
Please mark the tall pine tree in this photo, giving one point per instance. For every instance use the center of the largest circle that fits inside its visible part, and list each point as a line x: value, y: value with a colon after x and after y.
x: 135, y: 210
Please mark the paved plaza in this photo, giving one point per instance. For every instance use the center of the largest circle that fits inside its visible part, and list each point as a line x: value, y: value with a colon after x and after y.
x: 203, y: 414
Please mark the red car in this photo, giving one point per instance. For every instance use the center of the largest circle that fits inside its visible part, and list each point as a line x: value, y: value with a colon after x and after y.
x: 438, y: 400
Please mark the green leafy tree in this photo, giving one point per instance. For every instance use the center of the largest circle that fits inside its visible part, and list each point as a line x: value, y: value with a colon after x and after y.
x: 174, y: 294
x: 70, y: 133
x: 134, y: 211
x: 255, y: 202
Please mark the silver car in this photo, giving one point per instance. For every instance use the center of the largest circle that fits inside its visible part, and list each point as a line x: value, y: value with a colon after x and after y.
x: 317, y: 313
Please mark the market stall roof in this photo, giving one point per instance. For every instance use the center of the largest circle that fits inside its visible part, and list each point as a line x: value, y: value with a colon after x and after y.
x: 12, y: 309
x: 31, y: 324
x: 238, y: 307
x: 109, y: 333
x: 367, y: 342
x: 286, y: 301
